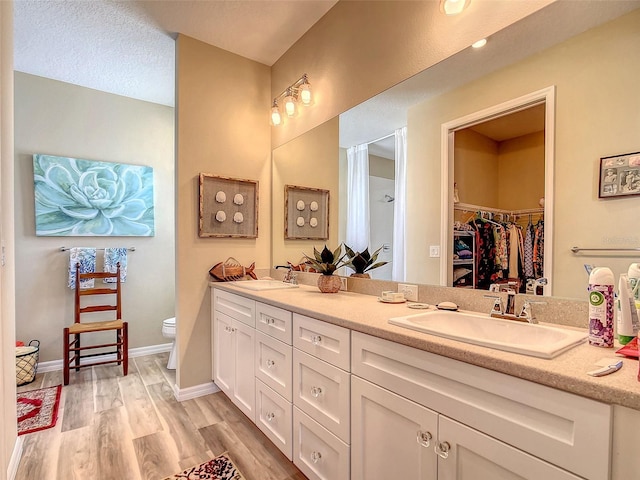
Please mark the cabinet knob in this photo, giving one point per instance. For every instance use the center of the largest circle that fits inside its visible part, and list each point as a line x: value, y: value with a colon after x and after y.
x: 316, y: 391
x: 315, y: 456
x: 270, y: 416
x: 270, y: 363
x: 316, y: 339
x: 424, y: 438
x: 269, y: 320
x: 442, y: 449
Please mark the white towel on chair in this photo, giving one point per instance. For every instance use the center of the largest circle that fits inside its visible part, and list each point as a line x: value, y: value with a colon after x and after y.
x: 113, y: 256
x: 86, y: 257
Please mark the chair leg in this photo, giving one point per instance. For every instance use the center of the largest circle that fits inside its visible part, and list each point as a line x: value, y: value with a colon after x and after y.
x: 77, y: 353
x: 65, y: 356
x: 125, y: 348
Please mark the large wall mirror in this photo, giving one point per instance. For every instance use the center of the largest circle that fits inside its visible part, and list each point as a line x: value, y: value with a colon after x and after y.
x: 588, y: 53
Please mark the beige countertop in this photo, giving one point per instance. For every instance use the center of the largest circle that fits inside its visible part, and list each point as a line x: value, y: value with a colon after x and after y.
x: 364, y: 313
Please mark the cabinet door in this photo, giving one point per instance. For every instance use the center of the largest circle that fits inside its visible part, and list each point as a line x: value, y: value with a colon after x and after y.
x: 471, y: 455
x: 244, y: 392
x: 223, y: 353
x: 392, y: 437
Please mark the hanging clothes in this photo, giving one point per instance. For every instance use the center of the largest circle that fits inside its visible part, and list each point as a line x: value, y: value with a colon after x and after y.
x: 514, y: 246
x: 538, y: 250
x: 528, y: 250
x: 486, y: 271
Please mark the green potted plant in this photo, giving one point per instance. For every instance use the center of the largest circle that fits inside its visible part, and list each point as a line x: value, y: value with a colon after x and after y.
x: 361, y: 263
x: 326, y: 263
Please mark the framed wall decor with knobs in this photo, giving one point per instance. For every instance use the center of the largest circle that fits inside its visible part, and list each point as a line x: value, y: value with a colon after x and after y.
x: 306, y: 213
x: 228, y: 207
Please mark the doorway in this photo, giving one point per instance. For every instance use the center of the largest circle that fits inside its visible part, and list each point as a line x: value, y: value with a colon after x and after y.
x: 489, y: 167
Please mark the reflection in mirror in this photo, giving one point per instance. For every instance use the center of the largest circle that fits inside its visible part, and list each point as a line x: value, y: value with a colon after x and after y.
x: 591, y: 64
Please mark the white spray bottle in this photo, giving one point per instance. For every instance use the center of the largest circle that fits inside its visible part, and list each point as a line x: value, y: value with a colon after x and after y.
x: 627, y: 319
x: 601, y: 282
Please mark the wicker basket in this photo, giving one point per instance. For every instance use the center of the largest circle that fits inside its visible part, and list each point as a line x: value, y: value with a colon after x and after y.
x: 27, y: 362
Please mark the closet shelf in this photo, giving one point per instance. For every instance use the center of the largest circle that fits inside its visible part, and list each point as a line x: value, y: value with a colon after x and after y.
x: 463, y: 261
x: 468, y: 207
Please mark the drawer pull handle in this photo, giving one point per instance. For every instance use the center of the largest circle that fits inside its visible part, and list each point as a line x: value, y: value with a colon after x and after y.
x: 442, y: 449
x: 315, y: 456
x: 316, y: 391
x: 270, y: 363
x: 269, y: 320
x: 270, y: 416
x: 316, y: 339
x: 424, y: 438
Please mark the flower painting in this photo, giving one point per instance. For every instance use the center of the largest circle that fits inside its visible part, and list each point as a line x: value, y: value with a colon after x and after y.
x: 75, y: 197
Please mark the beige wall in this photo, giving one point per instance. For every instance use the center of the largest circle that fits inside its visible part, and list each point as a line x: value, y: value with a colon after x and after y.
x: 222, y: 128
x: 310, y: 160
x: 349, y: 60
x: 476, y: 168
x: 58, y: 118
x: 597, y: 107
x: 8, y: 416
x: 521, y: 172
x: 381, y: 167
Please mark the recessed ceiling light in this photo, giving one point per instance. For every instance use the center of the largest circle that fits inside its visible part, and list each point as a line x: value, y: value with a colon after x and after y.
x: 479, y: 43
x: 453, y: 7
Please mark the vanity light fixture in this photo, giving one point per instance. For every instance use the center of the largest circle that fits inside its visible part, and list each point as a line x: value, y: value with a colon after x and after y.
x: 453, y: 7
x: 480, y: 43
x: 295, y: 94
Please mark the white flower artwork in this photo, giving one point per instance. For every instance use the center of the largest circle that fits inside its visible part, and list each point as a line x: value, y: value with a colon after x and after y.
x: 300, y: 205
x: 238, y: 199
x: 221, y: 216
x: 238, y: 217
x: 221, y: 197
x: 313, y: 206
x: 300, y: 221
x: 313, y: 221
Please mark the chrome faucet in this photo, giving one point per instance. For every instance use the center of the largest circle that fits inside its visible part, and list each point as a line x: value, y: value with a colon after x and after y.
x: 508, y: 312
x: 290, y: 277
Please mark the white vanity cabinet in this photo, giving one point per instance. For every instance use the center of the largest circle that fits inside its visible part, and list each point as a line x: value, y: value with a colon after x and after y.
x: 273, y: 363
x: 321, y: 398
x: 489, y: 425
x: 233, y: 333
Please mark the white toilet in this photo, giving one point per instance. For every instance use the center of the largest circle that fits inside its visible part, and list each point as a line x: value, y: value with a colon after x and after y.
x: 169, y: 331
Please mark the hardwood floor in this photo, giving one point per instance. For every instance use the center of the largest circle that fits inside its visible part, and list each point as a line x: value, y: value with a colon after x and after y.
x: 112, y: 427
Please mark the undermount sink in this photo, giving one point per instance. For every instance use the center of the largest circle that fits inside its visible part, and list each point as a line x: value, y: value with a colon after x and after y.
x: 263, y: 284
x: 512, y: 336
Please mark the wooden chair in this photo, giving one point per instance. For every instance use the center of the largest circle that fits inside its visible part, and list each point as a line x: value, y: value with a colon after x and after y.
x: 72, y: 345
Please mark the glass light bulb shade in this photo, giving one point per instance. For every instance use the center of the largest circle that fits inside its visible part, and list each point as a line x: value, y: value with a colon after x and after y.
x: 453, y: 7
x: 276, y: 117
x: 290, y: 105
x: 305, y: 94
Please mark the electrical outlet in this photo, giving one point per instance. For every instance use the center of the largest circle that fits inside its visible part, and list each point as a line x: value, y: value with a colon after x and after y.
x: 410, y: 291
x: 434, y: 251
x: 343, y: 283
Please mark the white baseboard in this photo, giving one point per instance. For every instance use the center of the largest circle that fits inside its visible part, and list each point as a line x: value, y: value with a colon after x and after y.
x: 183, y: 394
x: 14, y: 461
x: 55, y: 365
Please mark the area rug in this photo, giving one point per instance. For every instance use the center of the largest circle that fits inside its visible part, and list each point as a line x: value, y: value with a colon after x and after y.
x: 38, y: 409
x: 220, y: 468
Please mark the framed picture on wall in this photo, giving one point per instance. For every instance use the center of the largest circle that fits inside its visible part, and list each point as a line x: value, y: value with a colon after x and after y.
x: 306, y: 213
x: 619, y: 175
x: 228, y: 207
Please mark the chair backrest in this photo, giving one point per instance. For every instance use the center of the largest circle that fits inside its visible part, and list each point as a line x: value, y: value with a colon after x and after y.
x: 108, y: 289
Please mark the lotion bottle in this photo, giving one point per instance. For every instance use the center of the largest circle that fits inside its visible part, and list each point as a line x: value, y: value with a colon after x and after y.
x: 627, y: 319
x: 601, y: 281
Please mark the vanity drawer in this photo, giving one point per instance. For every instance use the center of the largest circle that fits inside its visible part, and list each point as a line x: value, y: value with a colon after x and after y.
x: 318, y: 453
x: 566, y: 430
x: 236, y: 306
x: 274, y: 321
x: 273, y: 364
x: 326, y: 341
x: 323, y: 392
x: 274, y: 416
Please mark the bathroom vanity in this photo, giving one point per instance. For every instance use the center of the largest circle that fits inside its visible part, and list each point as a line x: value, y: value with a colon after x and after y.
x: 345, y: 394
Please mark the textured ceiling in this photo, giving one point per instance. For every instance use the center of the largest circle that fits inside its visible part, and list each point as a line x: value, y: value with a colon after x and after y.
x: 549, y: 26
x: 127, y: 47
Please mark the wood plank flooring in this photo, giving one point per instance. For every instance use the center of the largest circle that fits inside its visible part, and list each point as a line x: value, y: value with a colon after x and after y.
x: 112, y: 427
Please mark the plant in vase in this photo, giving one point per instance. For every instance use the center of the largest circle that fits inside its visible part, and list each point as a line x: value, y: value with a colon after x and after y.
x: 326, y: 263
x: 362, y: 262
